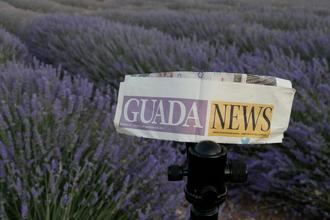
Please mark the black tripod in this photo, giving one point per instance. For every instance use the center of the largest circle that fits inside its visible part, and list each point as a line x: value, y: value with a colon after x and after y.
x: 207, y: 171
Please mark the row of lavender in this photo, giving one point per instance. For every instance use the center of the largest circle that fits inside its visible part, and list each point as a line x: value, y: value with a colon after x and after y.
x: 249, y: 30
x: 103, y: 51
x: 60, y: 157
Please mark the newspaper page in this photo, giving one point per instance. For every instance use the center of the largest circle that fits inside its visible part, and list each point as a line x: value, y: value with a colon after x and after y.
x: 221, y: 76
x: 222, y: 107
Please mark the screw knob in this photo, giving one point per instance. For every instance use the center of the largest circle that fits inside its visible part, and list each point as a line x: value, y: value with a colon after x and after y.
x: 175, y: 173
x: 239, y: 173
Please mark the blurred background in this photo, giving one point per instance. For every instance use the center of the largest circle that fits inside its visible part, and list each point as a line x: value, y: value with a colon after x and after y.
x: 61, y: 62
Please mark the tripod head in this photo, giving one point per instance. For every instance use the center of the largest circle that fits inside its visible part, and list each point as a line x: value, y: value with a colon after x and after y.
x: 207, y: 171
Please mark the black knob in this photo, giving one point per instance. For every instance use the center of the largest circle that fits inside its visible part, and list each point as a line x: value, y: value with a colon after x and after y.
x: 238, y: 172
x: 175, y: 173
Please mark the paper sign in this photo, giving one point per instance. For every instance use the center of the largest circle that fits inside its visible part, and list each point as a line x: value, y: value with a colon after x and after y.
x: 192, y: 106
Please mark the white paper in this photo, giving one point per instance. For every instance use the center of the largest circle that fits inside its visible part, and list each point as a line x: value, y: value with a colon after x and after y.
x: 222, y: 107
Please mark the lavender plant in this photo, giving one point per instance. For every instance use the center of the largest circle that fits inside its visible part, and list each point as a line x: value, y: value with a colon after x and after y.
x: 293, y: 177
x: 136, y: 4
x: 84, y: 4
x: 104, y: 51
x: 11, y: 47
x: 297, y: 171
x: 14, y: 19
x: 45, y: 6
x: 287, y: 19
x: 60, y: 157
x: 232, y: 28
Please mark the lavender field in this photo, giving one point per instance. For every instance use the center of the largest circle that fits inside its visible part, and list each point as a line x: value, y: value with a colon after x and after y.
x: 61, y: 62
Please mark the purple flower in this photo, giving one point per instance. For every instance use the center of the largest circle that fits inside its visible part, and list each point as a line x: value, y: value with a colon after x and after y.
x: 11, y: 48
x: 3, y: 151
x: 24, y: 211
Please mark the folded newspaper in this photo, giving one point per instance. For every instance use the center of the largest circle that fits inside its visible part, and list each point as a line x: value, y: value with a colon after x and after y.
x: 195, y: 106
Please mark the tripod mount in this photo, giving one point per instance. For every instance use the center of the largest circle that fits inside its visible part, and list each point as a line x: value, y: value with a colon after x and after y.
x: 207, y: 170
